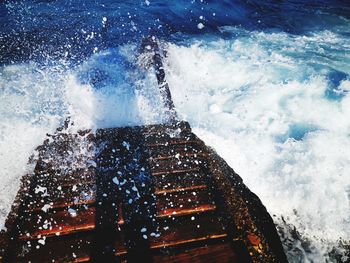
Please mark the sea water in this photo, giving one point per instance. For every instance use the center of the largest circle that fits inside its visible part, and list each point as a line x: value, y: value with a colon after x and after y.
x: 265, y: 84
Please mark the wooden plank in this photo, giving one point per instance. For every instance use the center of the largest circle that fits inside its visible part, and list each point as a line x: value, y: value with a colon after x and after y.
x: 55, y: 178
x: 181, y: 189
x: 177, y: 149
x: 171, y: 142
x: 180, y: 180
x: 176, y: 172
x: 221, y: 252
x: 187, y: 229
x: 172, y: 139
x: 176, y: 163
x: 62, y: 196
x: 57, y: 223
x: 70, y: 248
x: 184, y: 202
x: 180, y: 155
x: 176, y: 212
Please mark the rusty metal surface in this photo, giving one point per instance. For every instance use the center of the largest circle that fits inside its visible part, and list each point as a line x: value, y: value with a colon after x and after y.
x: 139, y: 194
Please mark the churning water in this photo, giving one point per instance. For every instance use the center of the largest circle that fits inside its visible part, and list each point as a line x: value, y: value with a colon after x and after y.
x: 267, y: 85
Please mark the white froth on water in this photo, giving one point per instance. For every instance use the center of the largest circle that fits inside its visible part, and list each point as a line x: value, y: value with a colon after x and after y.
x: 30, y: 107
x: 260, y: 101
x: 96, y: 94
x: 121, y: 96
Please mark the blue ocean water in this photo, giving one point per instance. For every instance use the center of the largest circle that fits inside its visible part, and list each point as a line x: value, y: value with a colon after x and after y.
x: 32, y: 29
x: 266, y: 83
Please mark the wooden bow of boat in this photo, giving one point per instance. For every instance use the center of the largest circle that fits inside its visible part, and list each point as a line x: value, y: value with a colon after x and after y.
x: 151, y: 193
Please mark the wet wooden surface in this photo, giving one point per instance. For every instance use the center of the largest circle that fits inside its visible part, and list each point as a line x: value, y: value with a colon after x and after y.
x: 128, y: 194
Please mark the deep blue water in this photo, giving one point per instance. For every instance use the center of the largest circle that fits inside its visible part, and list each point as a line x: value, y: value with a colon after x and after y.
x: 40, y: 29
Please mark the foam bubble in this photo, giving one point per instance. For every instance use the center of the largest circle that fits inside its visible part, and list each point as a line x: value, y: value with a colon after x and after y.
x: 200, y: 25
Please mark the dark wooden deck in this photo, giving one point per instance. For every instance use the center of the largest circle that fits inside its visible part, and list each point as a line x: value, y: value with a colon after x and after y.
x: 139, y: 194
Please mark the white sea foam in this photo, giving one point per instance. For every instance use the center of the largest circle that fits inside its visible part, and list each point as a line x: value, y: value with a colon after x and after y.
x: 30, y: 107
x: 126, y: 96
x: 260, y: 101
x: 36, y: 100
